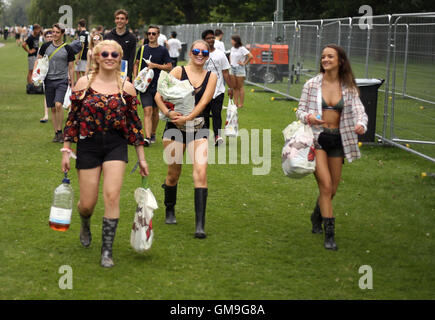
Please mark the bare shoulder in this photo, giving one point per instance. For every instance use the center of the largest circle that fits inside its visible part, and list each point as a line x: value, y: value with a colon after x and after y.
x: 81, y: 84
x: 129, y: 88
x: 176, y: 72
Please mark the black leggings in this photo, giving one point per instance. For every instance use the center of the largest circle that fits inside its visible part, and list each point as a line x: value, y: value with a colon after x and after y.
x: 215, y: 106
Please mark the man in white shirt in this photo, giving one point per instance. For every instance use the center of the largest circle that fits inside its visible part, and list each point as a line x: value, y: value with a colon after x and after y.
x: 218, y: 43
x: 174, y: 48
x: 162, y: 40
x: 217, y: 63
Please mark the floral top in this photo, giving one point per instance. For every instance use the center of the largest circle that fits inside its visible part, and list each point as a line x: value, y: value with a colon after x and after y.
x: 98, y: 112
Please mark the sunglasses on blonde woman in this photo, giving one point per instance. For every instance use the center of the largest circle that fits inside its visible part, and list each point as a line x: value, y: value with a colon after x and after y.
x: 106, y: 54
x: 196, y: 52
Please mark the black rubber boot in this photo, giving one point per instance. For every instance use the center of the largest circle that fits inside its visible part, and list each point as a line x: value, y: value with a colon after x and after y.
x: 200, y: 207
x: 85, y: 231
x: 109, y: 231
x: 329, y: 225
x: 170, y: 202
x: 316, y: 220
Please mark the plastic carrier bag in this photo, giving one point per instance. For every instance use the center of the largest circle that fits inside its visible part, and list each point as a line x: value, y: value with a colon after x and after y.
x: 40, y: 72
x: 298, y: 159
x: 232, y: 120
x: 142, y: 233
x: 67, y: 99
x: 181, y: 94
x: 143, y: 79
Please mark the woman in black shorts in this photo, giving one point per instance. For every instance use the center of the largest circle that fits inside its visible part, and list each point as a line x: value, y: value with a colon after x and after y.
x: 102, y: 121
x: 336, y: 128
x: 176, y: 140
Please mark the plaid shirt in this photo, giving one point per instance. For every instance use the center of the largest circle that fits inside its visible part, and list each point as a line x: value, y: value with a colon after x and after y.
x: 353, y: 114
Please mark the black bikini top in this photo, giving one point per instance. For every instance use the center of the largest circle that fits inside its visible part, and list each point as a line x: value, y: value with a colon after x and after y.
x: 338, y: 107
x: 201, y: 89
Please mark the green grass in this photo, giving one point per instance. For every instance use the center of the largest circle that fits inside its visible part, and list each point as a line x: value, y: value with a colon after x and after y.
x: 259, y: 243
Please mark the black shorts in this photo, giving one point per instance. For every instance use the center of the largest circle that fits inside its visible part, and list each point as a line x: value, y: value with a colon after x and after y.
x: 147, y: 98
x: 101, y: 147
x: 173, y: 133
x: 55, y: 91
x: 330, y: 141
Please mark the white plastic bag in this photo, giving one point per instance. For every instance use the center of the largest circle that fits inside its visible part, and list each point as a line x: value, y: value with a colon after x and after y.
x: 144, y: 79
x: 298, y: 158
x: 67, y: 100
x: 142, y: 233
x: 232, y: 120
x: 180, y: 93
x: 40, y: 72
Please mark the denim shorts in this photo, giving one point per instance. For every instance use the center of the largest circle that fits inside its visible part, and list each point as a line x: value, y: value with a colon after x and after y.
x: 239, y: 71
x: 101, y: 147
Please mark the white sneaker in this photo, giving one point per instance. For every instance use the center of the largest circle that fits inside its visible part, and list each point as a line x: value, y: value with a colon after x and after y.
x: 218, y: 141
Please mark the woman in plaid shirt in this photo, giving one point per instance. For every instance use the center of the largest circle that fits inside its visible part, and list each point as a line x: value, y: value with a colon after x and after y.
x: 330, y: 103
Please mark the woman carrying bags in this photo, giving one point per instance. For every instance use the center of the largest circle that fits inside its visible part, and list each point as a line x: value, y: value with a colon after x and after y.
x: 336, y: 128
x: 175, y: 140
x: 102, y: 121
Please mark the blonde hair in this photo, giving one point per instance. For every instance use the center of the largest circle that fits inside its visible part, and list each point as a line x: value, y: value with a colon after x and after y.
x: 92, y: 43
x: 95, y: 66
x: 199, y: 41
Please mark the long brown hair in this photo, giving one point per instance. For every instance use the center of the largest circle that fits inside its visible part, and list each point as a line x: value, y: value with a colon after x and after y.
x: 345, y: 73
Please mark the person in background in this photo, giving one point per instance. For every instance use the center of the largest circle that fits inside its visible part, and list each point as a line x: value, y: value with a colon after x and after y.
x: 217, y: 63
x: 60, y: 74
x: 126, y: 39
x: 31, y: 46
x: 160, y: 60
x: 103, y: 120
x: 82, y: 57
x: 48, y: 36
x: 175, y: 140
x: 334, y: 93
x: 218, y: 43
x: 162, y: 40
x: 239, y: 58
x: 174, y: 48
x: 95, y: 39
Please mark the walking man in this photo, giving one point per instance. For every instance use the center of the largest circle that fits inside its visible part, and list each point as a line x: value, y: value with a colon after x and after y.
x: 174, y: 47
x: 160, y: 60
x: 60, y: 73
x: 31, y: 46
x: 82, y: 57
x: 217, y: 63
x: 125, y: 38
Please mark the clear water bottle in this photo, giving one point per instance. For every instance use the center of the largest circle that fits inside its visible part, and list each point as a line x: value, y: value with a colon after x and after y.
x: 61, y: 210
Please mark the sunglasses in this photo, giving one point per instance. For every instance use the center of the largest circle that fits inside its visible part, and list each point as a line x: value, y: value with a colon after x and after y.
x: 106, y: 54
x: 196, y: 52
x: 152, y: 33
x: 96, y: 39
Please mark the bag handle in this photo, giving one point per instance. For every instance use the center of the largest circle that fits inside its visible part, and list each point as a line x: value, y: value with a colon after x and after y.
x: 141, y: 58
x: 55, y: 51
x: 145, y: 183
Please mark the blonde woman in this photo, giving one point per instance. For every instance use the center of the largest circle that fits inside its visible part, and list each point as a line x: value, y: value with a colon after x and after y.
x: 176, y: 140
x: 102, y: 121
x: 95, y: 39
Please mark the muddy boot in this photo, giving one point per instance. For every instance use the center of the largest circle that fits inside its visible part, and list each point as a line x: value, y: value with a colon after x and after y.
x: 109, y: 231
x: 316, y: 220
x: 329, y: 225
x: 85, y: 231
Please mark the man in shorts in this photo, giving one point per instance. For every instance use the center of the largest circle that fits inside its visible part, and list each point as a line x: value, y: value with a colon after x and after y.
x: 60, y: 73
x: 160, y: 60
x: 82, y: 57
x: 31, y: 46
x: 217, y: 63
x: 174, y: 48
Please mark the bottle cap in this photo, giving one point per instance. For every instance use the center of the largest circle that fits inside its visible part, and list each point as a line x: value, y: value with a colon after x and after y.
x: 65, y: 179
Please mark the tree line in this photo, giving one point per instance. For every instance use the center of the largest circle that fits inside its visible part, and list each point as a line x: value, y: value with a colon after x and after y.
x: 172, y: 12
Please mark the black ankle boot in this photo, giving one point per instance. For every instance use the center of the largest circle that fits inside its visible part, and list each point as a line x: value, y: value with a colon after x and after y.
x: 316, y: 220
x: 329, y: 225
x: 170, y: 202
x: 109, y: 231
x: 85, y: 231
x: 200, y: 207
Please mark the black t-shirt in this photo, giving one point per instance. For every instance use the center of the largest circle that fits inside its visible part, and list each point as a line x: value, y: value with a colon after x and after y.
x: 159, y: 55
x: 83, y: 37
x: 33, y: 43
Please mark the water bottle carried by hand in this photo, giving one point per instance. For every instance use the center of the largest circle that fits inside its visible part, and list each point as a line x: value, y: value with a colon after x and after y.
x: 61, y: 210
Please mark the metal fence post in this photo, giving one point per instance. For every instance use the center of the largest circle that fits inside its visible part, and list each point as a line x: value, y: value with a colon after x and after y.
x: 387, y: 79
x: 405, y: 66
x: 367, y: 52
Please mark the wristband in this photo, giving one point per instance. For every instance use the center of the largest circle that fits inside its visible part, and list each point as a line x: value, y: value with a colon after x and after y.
x: 70, y: 152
